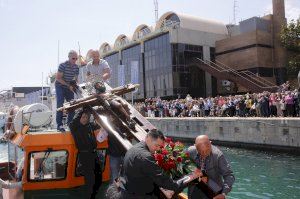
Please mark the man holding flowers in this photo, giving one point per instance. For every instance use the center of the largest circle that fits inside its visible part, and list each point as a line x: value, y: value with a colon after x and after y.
x: 141, y: 172
x: 212, y: 162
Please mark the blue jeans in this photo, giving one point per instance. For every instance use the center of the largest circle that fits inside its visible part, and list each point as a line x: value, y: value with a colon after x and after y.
x: 115, y: 163
x: 62, y: 94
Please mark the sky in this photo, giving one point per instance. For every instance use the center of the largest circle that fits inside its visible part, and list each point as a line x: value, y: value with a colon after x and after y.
x: 30, y: 30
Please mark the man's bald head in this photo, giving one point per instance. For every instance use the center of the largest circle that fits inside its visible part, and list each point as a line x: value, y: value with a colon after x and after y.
x: 201, y: 138
x: 203, y: 145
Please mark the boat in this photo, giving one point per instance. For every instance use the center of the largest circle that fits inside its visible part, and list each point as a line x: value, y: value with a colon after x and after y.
x: 47, y: 158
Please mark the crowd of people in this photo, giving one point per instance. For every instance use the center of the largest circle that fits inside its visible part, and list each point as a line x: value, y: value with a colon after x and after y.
x: 285, y: 103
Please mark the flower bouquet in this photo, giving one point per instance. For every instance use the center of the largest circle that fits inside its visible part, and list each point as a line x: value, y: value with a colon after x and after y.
x: 175, y: 162
x: 173, y: 159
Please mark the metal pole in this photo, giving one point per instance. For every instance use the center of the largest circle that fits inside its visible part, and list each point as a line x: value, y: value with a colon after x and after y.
x: 42, y: 88
x: 58, y: 53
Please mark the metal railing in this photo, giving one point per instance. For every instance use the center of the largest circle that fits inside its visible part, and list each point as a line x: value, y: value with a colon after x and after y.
x: 252, y: 75
x: 222, y: 68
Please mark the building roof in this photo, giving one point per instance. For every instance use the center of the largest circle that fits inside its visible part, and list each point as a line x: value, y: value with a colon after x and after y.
x: 184, y: 21
x: 26, y: 90
x: 121, y: 40
x: 140, y: 28
x: 104, y: 48
x: 194, y: 23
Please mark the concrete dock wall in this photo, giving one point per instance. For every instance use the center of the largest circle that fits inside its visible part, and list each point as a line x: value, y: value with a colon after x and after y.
x: 272, y: 132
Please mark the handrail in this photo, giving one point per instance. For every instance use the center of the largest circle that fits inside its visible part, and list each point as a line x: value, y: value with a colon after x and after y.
x: 261, y: 80
x: 224, y: 68
x: 236, y: 73
x: 209, y: 64
x: 259, y: 77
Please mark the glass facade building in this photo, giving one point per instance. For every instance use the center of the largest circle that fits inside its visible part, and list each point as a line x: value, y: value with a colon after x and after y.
x: 132, y: 60
x: 114, y: 62
x: 187, y: 78
x: 165, y: 68
x: 158, y: 66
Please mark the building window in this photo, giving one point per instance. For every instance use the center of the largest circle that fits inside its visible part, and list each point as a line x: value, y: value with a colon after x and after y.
x: 144, y: 31
x: 106, y: 48
x: 114, y: 63
x: 170, y: 21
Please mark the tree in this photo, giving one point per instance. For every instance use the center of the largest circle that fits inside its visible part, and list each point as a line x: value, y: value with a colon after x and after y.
x: 290, y: 39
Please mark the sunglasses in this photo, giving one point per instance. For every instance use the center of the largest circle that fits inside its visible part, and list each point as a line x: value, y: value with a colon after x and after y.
x: 74, y: 58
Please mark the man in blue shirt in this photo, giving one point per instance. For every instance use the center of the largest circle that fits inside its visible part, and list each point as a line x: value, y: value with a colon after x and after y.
x: 67, y: 72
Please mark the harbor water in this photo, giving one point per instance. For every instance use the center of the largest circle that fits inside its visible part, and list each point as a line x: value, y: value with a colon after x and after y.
x: 261, y: 175
x: 264, y: 175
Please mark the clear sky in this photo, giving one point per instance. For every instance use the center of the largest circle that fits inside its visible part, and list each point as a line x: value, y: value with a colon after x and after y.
x: 30, y: 29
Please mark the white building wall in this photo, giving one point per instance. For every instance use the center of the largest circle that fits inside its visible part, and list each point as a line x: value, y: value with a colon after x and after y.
x: 193, y: 37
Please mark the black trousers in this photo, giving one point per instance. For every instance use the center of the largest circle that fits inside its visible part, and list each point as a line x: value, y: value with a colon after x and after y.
x: 92, y: 173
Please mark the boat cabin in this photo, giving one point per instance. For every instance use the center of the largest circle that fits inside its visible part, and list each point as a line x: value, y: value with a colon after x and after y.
x: 50, y: 166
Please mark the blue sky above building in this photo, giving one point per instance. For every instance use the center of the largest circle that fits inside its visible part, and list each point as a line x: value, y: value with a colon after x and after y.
x: 30, y: 29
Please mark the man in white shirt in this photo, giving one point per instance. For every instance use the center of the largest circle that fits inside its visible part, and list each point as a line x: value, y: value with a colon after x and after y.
x: 97, y: 69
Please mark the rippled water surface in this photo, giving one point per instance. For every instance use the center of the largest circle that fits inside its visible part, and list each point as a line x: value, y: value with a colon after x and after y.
x: 260, y: 175
x: 264, y: 174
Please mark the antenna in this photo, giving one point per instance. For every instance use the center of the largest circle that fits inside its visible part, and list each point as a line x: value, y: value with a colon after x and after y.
x: 58, y: 52
x: 234, y: 11
x: 42, y: 88
x: 156, y: 10
x: 80, y: 58
x: 79, y: 48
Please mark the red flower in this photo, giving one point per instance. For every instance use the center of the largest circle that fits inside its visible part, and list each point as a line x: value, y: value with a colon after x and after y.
x: 172, y: 144
x: 165, y: 152
x: 187, y: 154
x: 168, y: 140
x: 172, y: 164
x: 172, y: 158
x: 179, y: 159
x: 158, y: 157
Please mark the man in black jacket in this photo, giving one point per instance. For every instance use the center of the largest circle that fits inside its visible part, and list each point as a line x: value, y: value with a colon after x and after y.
x: 140, y: 172
x: 83, y: 133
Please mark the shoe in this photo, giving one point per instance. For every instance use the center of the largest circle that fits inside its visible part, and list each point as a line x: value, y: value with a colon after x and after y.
x: 61, y: 129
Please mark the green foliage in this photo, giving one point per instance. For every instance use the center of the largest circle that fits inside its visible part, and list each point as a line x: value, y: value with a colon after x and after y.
x: 290, y: 36
x: 290, y: 39
x: 293, y: 65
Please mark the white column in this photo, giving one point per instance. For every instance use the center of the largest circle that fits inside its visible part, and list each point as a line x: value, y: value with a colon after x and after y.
x: 208, y: 82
